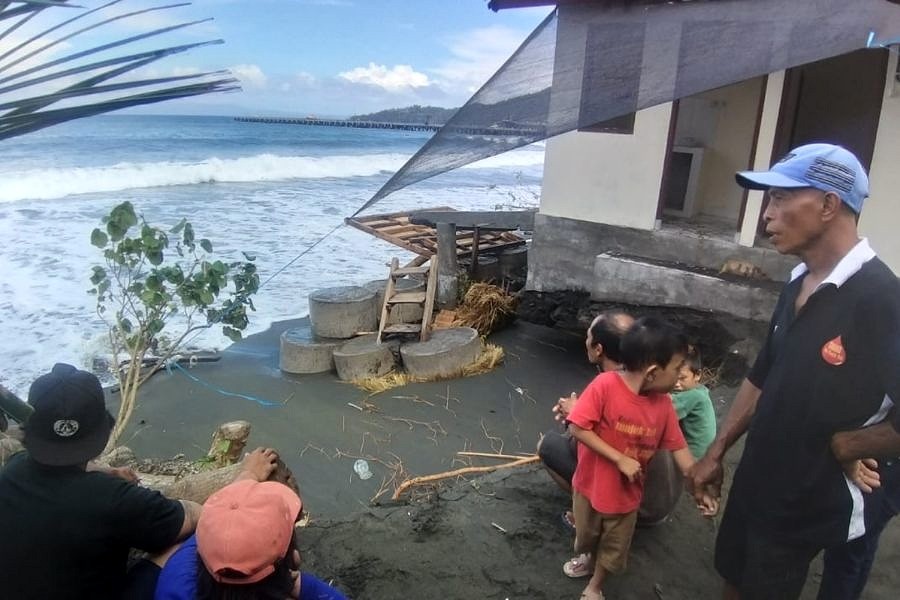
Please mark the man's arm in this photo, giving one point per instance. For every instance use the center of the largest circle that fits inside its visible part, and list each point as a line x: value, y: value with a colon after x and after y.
x: 880, y: 440
x: 192, y: 512
x: 707, y: 472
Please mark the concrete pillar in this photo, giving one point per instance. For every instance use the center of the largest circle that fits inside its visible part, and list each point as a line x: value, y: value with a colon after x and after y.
x: 447, y: 279
x: 764, y: 144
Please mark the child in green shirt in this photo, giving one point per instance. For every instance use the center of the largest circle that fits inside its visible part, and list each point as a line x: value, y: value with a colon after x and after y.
x: 693, y: 407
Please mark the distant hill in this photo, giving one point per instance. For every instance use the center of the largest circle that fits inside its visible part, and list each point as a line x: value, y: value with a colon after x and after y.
x: 433, y: 115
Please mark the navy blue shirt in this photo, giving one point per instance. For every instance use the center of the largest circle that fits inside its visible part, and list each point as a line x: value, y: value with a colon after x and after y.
x: 66, y: 533
x: 832, y: 366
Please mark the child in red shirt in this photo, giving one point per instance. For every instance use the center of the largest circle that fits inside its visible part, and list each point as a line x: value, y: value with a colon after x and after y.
x: 620, y: 421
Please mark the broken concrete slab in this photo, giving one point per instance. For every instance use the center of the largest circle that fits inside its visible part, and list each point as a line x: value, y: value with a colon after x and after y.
x: 630, y: 280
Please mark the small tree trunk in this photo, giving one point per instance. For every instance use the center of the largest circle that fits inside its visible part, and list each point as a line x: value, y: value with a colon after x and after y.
x: 228, y: 442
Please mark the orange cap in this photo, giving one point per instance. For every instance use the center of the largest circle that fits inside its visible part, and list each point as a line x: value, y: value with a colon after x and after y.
x: 245, y: 528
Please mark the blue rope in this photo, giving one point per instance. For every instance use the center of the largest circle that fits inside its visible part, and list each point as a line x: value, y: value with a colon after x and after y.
x: 214, y: 388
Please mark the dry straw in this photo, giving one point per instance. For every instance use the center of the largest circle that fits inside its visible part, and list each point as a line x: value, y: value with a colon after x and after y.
x: 491, y: 356
x: 486, y: 308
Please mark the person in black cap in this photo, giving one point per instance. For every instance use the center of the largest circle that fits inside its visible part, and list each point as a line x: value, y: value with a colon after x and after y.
x: 66, y: 530
x: 829, y: 365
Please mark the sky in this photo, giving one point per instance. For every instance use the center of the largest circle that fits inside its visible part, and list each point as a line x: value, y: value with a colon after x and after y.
x: 319, y: 57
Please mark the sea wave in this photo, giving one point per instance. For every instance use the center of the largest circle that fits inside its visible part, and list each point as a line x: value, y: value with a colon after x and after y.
x: 48, y: 184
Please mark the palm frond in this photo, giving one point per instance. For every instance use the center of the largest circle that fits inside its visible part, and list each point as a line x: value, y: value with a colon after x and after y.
x: 88, y: 81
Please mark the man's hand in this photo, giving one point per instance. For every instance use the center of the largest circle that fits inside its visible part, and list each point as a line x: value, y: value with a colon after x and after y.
x: 126, y: 473
x: 564, y: 406
x: 863, y: 473
x: 704, y: 479
x: 259, y: 464
x: 629, y: 467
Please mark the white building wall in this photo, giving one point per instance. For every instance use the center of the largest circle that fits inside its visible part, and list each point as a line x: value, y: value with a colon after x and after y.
x: 608, y: 178
x: 764, y: 148
x: 880, y: 220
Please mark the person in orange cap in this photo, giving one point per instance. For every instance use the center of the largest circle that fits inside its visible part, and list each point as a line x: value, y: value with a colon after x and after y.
x: 246, y: 544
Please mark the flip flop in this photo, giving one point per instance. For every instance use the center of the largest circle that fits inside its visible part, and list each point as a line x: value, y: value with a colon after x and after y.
x: 568, y: 522
x: 586, y: 595
x: 579, y: 566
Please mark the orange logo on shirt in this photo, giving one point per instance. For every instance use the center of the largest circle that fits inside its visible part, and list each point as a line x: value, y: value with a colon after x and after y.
x: 833, y: 352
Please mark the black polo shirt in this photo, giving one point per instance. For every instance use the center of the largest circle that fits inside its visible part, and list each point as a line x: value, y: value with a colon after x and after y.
x: 831, y: 367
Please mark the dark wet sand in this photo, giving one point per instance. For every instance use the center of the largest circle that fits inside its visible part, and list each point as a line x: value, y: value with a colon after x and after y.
x: 441, y: 546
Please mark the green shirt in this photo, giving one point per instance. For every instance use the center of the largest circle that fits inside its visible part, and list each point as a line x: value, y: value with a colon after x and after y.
x: 696, y: 417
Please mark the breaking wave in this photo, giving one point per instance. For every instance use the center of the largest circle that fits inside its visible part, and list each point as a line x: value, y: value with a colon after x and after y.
x: 47, y: 184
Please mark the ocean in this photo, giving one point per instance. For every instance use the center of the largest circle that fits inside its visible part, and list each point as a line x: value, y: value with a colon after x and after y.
x: 268, y: 190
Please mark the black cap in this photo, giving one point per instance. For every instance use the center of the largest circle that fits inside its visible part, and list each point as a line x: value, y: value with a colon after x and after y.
x: 70, y: 424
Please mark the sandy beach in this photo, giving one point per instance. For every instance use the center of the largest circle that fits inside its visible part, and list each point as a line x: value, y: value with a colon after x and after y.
x: 494, y: 536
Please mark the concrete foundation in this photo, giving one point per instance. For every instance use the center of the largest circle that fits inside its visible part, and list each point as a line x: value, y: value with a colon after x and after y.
x: 362, y: 357
x: 400, y: 313
x: 562, y: 253
x: 302, y: 352
x: 621, y: 279
x: 342, y: 312
x: 443, y: 355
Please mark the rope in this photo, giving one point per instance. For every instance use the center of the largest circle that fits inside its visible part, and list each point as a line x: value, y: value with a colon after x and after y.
x: 194, y: 378
x: 299, y: 256
x: 260, y: 401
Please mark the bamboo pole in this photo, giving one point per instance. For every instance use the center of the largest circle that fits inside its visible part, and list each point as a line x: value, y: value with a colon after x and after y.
x: 464, y: 471
x: 494, y: 455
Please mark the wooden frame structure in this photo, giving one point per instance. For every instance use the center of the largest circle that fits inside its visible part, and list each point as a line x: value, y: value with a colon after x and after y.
x: 398, y: 229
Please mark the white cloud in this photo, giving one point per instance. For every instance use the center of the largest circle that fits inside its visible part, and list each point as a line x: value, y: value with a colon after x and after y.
x: 476, y: 55
x: 305, y: 79
x: 250, y: 75
x: 399, y: 78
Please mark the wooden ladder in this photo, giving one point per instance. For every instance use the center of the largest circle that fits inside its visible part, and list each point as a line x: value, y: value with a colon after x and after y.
x: 393, y: 297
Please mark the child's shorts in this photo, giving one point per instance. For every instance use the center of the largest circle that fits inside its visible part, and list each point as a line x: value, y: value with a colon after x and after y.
x: 607, y: 536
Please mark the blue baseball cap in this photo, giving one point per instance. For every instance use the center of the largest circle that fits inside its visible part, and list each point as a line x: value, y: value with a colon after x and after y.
x: 825, y: 167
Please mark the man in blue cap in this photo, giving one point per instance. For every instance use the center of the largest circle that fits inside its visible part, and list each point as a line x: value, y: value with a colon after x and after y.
x: 829, y: 365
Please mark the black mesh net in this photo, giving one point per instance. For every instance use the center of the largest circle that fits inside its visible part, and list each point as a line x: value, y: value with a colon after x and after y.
x: 588, y: 64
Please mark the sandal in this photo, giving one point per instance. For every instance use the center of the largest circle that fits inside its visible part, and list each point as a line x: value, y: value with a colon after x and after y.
x: 568, y: 520
x: 579, y: 566
x: 586, y: 595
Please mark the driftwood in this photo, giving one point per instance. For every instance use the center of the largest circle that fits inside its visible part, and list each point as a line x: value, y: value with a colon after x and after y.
x: 197, y: 487
x: 229, y: 441
x: 456, y: 473
x: 9, y: 445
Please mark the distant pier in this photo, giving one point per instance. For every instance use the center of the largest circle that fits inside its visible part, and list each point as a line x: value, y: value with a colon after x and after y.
x: 494, y: 130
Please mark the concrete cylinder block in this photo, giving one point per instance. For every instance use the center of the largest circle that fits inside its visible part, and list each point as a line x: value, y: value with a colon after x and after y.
x: 443, y: 355
x: 401, y: 313
x: 487, y: 269
x: 302, y: 352
x: 363, y: 357
x: 513, y: 261
x: 342, y: 312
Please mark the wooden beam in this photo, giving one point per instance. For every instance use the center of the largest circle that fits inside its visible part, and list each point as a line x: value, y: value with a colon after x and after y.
x: 521, y: 219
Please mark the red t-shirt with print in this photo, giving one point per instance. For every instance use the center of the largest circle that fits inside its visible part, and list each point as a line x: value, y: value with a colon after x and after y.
x: 635, y: 425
